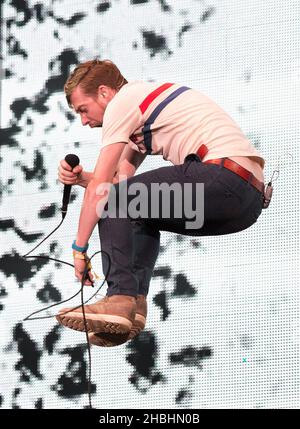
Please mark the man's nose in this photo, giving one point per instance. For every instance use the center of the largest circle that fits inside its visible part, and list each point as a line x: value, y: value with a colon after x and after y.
x: 84, y: 120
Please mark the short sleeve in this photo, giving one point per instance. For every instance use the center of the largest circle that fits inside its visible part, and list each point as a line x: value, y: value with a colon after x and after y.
x: 121, y: 118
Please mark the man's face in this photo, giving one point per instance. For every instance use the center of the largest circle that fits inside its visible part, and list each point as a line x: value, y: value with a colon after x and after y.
x: 91, y: 109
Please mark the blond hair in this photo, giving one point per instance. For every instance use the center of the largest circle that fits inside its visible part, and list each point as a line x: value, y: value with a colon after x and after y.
x: 91, y: 74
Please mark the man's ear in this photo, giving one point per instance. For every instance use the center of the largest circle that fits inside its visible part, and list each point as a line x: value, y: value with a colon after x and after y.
x: 105, y: 91
x: 102, y: 91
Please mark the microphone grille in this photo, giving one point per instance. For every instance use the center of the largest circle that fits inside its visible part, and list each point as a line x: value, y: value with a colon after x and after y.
x: 72, y: 160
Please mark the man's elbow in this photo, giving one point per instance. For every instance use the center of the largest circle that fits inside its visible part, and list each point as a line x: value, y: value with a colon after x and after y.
x: 123, y: 175
x: 98, y: 189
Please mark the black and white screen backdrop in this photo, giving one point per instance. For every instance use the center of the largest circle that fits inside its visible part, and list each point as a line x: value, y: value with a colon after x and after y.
x: 223, y: 324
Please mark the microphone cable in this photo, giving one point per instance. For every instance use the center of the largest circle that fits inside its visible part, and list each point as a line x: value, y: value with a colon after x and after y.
x: 86, y: 269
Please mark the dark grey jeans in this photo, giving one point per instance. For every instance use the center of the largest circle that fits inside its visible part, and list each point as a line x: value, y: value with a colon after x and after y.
x: 230, y: 205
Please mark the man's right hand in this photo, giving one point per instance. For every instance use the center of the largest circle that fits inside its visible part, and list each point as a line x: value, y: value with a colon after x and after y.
x: 66, y: 175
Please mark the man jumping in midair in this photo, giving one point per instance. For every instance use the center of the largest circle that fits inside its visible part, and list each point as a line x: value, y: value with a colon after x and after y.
x: 205, y: 146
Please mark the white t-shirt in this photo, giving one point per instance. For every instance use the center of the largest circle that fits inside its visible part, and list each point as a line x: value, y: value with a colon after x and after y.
x: 172, y: 120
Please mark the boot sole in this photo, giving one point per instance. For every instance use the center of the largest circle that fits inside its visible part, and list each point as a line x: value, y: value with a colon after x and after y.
x: 104, y: 323
x: 106, y: 340
x: 137, y: 326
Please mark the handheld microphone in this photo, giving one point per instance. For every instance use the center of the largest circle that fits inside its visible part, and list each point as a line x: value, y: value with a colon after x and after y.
x: 72, y: 160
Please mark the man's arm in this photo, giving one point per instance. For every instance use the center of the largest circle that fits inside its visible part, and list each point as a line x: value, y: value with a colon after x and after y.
x: 97, y: 191
x: 111, y: 158
x: 129, y: 162
x: 84, y: 178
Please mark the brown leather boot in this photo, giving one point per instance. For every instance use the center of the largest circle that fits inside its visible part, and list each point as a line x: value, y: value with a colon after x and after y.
x: 112, y: 314
x: 110, y: 340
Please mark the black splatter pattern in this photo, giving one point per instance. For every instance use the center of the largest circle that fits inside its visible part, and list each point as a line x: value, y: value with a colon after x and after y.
x: 183, y: 287
x: 6, y: 224
x: 142, y: 356
x: 103, y: 7
x: 49, y: 293
x: 51, y: 339
x: 190, y: 356
x: 162, y: 302
x: 28, y: 364
x: 73, y: 382
x: 12, y: 264
x: 48, y: 211
x: 155, y: 43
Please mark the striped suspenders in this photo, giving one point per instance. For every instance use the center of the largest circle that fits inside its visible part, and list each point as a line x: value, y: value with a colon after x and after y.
x: 145, y: 104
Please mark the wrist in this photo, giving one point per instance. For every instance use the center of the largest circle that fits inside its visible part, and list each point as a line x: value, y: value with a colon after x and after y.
x: 81, y: 179
x: 79, y: 255
x: 84, y: 178
x: 80, y: 249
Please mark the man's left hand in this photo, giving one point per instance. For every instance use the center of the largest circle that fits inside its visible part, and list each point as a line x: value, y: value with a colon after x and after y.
x: 80, y: 265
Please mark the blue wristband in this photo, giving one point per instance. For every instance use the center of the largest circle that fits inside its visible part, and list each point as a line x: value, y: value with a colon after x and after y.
x: 78, y: 248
